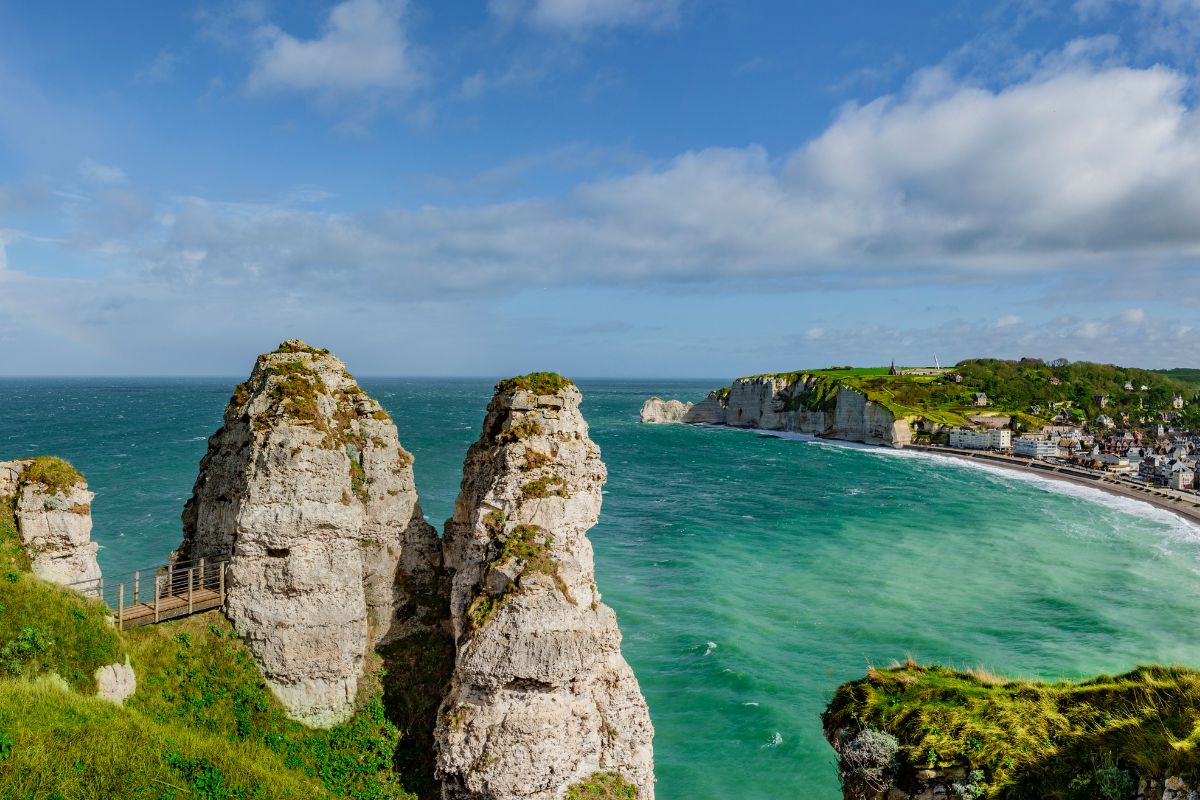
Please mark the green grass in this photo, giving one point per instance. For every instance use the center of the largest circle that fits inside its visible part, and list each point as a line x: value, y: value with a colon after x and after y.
x: 1031, y: 739
x: 61, y: 744
x: 603, y: 786
x: 196, y: 673
x: 56, y: 474
x: 536, y: 382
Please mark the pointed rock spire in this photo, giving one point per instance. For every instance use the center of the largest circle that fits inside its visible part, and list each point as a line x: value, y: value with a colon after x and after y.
x: 308, y: 492
x: 541, y: 698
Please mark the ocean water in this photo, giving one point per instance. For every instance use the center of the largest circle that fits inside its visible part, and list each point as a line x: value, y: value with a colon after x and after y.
x: 751, y: 574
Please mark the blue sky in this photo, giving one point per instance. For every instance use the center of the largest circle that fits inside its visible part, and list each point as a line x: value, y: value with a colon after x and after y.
x: 599, y: 187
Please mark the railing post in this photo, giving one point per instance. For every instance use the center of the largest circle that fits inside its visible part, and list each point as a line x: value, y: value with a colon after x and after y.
x: 221, y: 581
x: 156, y: 594
x: 170, y: 580
x: 202, y: 573
x: 121, y: 607
x: 137, y: 576
x: 190, y: 570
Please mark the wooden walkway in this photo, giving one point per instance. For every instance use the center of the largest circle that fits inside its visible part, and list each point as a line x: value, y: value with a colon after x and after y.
x: 161, y: 592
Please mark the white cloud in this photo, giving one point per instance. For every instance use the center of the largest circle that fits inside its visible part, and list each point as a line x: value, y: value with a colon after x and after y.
x: 582, y: 15
x: 1133, y: 316
x: 101, y: 173
x: 363, y: 46
x: 1084, y: 168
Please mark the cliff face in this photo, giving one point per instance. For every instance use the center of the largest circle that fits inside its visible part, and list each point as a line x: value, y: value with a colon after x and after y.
x: 52, y: 508
x: 308, y: 492
x: 541, y: 698
x: 801, y: 404
x: 657, y: 410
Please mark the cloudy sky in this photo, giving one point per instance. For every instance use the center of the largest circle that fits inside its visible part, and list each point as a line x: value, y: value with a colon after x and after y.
x: 699, y: 188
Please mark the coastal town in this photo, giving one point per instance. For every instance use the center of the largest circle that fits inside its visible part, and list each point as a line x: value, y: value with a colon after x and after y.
x: 1142, y: 437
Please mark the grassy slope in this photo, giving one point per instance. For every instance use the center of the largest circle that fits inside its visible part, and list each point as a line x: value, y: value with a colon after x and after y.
x: 198, y: 687
x: 55, y: 743
x: 1032, y: 739
x: 44, y: 628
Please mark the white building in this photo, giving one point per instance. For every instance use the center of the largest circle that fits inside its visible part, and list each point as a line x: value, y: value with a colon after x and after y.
x: 993, y: 439
x: 1035, y: 448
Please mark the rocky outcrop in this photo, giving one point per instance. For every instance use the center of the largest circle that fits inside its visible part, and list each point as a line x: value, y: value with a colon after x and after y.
x: 657, y: 410
x: 541, y: 698
x: 51, y: 508
x: 801, y: 403
x: 116, y: 683
x: 306, y: 489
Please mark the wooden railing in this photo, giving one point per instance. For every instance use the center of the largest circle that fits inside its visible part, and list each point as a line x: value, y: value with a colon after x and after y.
x: 161, y: 592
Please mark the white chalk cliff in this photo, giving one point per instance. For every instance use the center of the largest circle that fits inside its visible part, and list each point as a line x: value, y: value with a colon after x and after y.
x: 657, y: 410
x: 308, y: 492
x: 52, y: 509
x: 541, y: 698
x: 801, y: 404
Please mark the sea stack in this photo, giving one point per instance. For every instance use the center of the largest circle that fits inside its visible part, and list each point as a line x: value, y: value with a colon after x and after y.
x: 540, y: 699
x: 657, y: 410
x: 51, y: 509
x: 306, y: 489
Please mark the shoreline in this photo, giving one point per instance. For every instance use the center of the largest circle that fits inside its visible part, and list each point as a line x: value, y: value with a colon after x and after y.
x: 1188, y: 509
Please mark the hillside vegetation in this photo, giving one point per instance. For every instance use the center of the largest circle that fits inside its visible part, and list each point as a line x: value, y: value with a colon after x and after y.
x: 1030, y: 391
x: 202, y: 725
x: 1031, y: 739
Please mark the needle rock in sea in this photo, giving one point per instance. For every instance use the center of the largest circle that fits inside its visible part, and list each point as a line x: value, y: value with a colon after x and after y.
x: 541, y: 699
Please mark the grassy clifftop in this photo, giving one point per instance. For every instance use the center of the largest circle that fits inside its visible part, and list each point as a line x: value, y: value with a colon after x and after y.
x: 1014, y: 388
x: 1029, y: 739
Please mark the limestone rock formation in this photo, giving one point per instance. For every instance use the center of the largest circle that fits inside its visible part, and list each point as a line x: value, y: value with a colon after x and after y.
x: 658, y: 410
x: 52, y: 509
x: 116, y: 683
x: 308, y: 492
x: 541, y: 697
x: 783, y: 403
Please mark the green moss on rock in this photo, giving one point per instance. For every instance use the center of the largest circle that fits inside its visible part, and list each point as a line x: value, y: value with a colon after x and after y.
x: 536, y: 382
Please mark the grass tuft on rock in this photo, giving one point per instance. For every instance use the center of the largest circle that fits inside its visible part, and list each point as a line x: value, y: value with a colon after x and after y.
x: 536, y: 382
x: 1031, y: 739
x: 543, y: 487
x: 519, y: 432
x: 298, y: 346
x: 603, y: 786
x: 54, y: 473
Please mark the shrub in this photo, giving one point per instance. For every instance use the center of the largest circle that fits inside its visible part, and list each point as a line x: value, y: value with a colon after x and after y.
x: 869, y: 759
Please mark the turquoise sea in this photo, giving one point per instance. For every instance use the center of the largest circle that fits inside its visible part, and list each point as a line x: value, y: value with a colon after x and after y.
x: 751, y: 574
